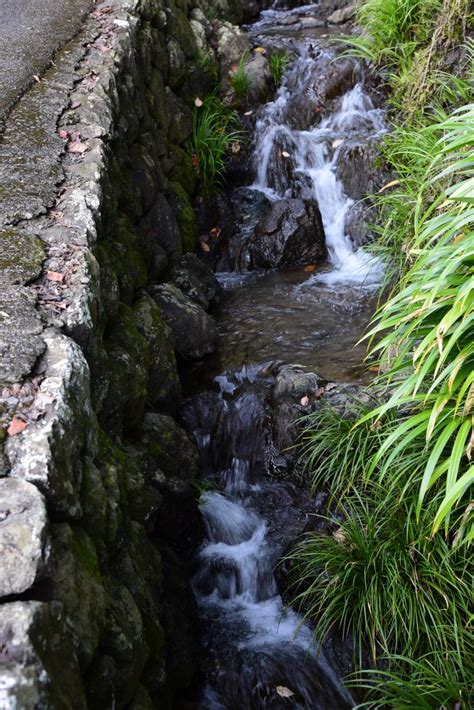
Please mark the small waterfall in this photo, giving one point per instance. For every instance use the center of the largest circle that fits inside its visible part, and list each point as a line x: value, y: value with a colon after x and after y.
x: 265, y: 646
x: 314, y: 156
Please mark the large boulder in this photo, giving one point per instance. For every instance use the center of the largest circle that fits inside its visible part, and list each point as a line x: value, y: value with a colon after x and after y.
x: 290, y: 233
x: 194, y: 330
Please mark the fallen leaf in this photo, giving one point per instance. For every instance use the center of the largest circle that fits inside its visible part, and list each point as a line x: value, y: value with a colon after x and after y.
x: 36, y: 78
x: 198, y: 102
x: 195, y: 160
x: 77, y: 147
x: 54, y: 276
x: 260, y: 50
x: 339, y: 536
x: 248, y: 113
x: 319, y: 392
x: 235, y: 146
x: 63, y: 134
x: 75, y: 105
x: 392, y: 183
x: 284, y: 692
x: 285, y: 154
x: 205, y: 247
x: 337, y: 142
x: 16, y: 427
x: 214, y: 232
x: 310, y: 268
x: 304, y: 401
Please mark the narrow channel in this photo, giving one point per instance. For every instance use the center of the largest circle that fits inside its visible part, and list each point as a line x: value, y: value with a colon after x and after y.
x: 258, y: 652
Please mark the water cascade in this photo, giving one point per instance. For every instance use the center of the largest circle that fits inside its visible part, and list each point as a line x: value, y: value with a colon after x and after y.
x: 258, y: 652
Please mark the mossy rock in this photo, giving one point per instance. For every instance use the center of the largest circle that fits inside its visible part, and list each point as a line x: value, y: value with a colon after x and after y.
x: 128, y: 368
x: 183, y: 171
x: 186, y: 217
x: 164, y: 389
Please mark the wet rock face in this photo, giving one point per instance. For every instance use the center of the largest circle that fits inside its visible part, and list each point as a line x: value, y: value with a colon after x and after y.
x: 290, y: 233
x: 194, y: 330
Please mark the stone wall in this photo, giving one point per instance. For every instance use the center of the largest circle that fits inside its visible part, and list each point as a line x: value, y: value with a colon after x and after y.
x: 97, y: 511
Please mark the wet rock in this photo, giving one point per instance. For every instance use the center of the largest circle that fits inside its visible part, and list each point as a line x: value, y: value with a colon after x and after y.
x: 344, y: 14
x: 170, y: 447
x: 23, y: 545
x: 357, y: 168
x: 194, y: 330
x: 196, y: 280
x: 35, y: 643
x: 292, y: 382
x: 164, y: 389
x: 290, y: 233
x: 232, y: 44
x: 257, y: 71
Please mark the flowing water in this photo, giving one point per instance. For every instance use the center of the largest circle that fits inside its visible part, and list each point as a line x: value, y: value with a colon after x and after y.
x: 257, y: 652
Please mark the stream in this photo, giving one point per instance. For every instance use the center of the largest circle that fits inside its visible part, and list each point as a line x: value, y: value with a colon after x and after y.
x: 258, y: 652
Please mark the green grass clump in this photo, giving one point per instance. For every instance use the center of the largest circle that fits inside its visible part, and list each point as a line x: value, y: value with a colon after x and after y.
x: 215, y: 128
x: 436, y: 680
x: 240, y: 82
x: 383, y: 579
x: 277, y: 64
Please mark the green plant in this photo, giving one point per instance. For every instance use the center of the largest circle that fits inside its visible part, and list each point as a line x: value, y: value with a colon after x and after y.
x: 215, y: 128
x: 436, y: 680
x: 240, y: 82
x: 277, y: 64
x: 429, y: 347
x: 382, y: 578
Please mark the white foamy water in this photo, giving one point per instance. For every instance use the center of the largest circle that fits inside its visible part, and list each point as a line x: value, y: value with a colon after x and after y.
x: 314, y: 155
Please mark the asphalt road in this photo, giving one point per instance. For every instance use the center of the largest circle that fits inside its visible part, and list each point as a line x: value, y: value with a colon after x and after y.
x: 31, y: 32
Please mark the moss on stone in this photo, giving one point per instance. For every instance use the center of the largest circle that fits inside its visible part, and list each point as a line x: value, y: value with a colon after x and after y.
x: 186, y: 217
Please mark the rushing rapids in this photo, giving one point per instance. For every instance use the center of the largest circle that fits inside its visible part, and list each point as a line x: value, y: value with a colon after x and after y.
x: 260, y: 654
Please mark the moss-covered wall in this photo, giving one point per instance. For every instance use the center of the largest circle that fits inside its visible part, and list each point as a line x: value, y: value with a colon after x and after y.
x: 97, y: 609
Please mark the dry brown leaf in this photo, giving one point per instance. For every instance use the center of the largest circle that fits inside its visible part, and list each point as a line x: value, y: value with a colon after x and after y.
x: 77, y: 147
x: 16, y: 427
x: 284, y: 692
x: 310, y: 268
x: 260, y: 50
x: 54, y: 276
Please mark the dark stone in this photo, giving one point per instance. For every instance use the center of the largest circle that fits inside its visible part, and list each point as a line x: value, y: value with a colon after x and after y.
x: 160, y: 227
x: 170, y: 446
x: 290, y: 233
x: 164, y: 389
x: 194, y: 330
x: 196, y: 280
